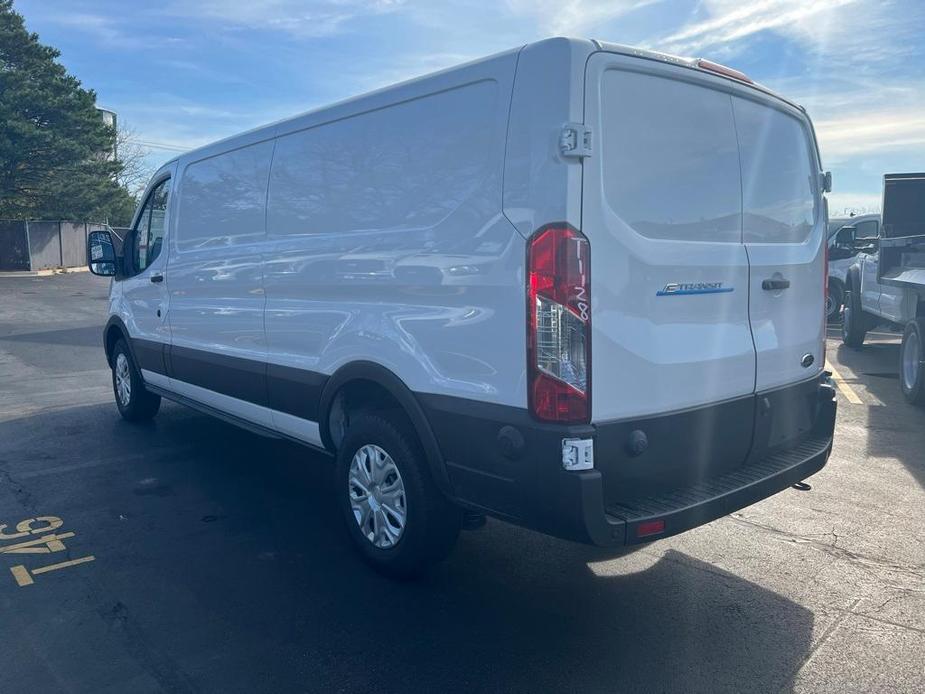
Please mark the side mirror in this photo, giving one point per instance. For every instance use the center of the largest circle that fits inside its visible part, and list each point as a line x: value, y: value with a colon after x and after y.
x: 825, y: 181
x: 101, y: 254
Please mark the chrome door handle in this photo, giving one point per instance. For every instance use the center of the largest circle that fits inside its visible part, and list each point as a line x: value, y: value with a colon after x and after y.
x: 772, y: 285
x: 157, y: 278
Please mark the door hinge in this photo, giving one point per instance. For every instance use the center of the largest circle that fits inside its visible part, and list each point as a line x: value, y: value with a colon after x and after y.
x: 575, y: 140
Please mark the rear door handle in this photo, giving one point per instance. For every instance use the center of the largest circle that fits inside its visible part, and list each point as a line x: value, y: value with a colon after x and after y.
x: 157, y: 278
x: 772, y: 285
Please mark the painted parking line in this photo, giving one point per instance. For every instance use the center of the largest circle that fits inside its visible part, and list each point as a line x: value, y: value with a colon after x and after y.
x: 44, y: 544
x: 843, y: 386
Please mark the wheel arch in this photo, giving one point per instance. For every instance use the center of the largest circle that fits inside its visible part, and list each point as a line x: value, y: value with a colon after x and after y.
x: 114, y: 331
x: 379, y: 381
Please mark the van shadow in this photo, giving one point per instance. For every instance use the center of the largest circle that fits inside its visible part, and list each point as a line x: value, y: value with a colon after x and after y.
x: 234, y: 566
x: 90, y: 336
x: 896, y: 429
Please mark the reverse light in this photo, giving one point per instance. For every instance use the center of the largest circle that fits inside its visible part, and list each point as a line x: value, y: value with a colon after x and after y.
x: 559, y: 325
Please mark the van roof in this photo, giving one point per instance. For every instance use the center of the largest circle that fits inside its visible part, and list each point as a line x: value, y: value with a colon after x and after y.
x: 587, y: 45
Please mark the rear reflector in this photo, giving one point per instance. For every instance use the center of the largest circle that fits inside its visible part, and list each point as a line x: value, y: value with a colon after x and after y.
x: 724, y: 70
x: 650, y: 528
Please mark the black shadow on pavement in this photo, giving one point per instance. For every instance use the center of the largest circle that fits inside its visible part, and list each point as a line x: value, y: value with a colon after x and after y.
x: 221, y: 565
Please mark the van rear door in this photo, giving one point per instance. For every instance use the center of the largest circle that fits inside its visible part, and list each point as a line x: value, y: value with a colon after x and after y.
x: 783, y: 225
x: 661, y: 208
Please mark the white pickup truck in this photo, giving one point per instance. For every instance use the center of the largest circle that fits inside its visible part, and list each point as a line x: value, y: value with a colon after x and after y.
x: 886, y: 283
x: 843, y: 252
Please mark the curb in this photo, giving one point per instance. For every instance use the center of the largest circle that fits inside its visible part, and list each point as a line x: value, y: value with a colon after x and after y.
x: 45, y: 273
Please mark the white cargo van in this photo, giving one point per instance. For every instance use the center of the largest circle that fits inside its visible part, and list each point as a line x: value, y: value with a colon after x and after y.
x: 576, y: 286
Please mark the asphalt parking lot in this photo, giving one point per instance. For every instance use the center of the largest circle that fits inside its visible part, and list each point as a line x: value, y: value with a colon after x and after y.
x: 193, y: 556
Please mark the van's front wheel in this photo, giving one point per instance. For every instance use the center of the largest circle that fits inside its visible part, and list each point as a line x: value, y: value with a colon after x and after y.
x: 134, y: 402
x: 395, y: 515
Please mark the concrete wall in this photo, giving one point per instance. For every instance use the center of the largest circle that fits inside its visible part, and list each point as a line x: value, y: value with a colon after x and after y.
x: 41, y: 245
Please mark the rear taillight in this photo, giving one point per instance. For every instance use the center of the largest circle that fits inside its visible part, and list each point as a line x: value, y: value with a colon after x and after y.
x: 559, y: 325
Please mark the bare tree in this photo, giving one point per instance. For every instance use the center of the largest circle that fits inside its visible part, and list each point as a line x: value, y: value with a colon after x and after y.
x: 136, y: 171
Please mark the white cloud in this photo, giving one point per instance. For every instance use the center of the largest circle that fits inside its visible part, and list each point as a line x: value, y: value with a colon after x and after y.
x: 843, y: 204
x: 304, y: 18
x: 871, y: 131
x: 573, y: 17
x: 731, y: 20
x: 98, y: 29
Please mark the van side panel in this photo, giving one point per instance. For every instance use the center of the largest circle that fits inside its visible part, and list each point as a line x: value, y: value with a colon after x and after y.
x: 215, y: 275
x: 386, y: 243
x: 540, y: 186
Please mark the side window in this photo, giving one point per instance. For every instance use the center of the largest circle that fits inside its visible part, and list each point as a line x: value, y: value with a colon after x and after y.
x: 670, y: 158
x: 158, y: 217
x: 140, y: 238
x: 779, y: 202
x: 149, y: 231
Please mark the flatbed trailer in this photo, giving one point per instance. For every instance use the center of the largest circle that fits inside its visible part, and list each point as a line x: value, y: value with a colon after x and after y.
x: 901, y: 273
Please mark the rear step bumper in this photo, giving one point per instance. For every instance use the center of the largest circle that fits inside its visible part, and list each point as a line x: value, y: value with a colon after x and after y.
x: 651, y: 518
x: 531, y: 488
x: 687, y: 508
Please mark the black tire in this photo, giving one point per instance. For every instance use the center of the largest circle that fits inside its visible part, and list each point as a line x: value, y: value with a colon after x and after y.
x: 854, y: 322
x: 912, y: 366
x: 834, y: 300
x: 140, y: 405
x: 432, y: 522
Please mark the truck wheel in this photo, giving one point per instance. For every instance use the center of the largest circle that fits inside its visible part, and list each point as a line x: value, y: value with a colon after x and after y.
x: 854, y: 323
x: 397, y: 518
x: 912, y: 362
x: 134, y: 402
x: 833, y: 301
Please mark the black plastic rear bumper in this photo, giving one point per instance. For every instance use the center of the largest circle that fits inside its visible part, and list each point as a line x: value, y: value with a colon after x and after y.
x: 501, y: 461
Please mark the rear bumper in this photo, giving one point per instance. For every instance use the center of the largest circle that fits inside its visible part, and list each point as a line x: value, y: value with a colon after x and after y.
x: 527, y: 485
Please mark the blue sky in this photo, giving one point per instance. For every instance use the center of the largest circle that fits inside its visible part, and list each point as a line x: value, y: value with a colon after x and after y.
x: 181, y: 73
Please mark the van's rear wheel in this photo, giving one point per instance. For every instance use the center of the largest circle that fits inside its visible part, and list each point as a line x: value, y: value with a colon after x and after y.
x: 911, y: 358
x: 854, y: 323
x: 134, y: 402
x: 397, y: 518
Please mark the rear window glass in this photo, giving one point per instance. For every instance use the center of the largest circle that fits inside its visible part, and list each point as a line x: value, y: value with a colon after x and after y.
x: 866, y: 230
x: 223, y: 198
x: 779, y: 202
x: 904, y: 206
x: 671, y: 163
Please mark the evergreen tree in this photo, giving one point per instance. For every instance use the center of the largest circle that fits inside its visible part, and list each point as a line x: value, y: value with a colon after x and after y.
x: 55, y: 149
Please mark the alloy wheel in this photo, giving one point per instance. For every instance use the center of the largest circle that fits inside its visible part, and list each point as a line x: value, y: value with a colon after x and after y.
x: 377, y: 496
x: 123, y: 380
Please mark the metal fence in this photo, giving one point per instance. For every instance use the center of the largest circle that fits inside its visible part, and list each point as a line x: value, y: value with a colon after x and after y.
x: 41, y: 245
